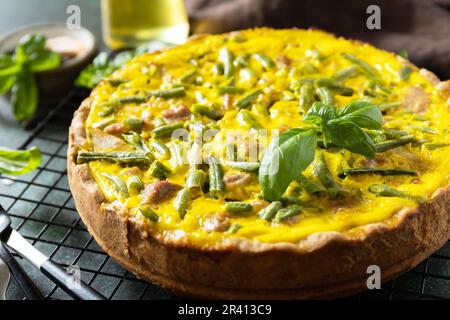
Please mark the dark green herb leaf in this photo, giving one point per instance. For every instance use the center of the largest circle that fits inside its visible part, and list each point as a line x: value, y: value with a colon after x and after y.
x: 362, y: 113
x: 17, y: 162
x: 24, y: 95
x: 285, y: 158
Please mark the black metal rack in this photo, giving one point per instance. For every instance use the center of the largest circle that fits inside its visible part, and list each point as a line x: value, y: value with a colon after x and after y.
x: 42, y: 210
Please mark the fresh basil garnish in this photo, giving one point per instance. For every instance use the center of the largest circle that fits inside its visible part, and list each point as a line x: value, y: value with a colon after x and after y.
x: 287, y: 156
x: 16, y: 162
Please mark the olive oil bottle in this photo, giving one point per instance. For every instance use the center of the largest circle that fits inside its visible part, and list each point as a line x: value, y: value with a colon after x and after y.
x: 133, y: 22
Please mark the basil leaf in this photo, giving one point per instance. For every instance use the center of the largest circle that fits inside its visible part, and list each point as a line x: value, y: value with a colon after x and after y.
x: 285, y: 158
x: 6, y: 83
x: 24, y: 95
x: 45, y: 61
x: 320, y: 111
x: 362, y: 113
x: 16, y: 162
x: 7, y: 66
x: 347, y: 135
x: 29, y: 48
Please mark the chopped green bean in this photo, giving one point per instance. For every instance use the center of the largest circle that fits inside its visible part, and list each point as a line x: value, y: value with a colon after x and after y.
x: 226, y: 58
x: 286, y: 213
x: 134, y: 124
x: 216, y: 183
x: 148, y: 213
x: 391, y: 144
x: 306, y: 96
x: 434, y: 146
x: 389, y: 106
x: 159, y: 171
x: 135, y: 184
x: 320, y: 170
x: 160, y: 149
x: 130, y: 100
x: 345, y: 73
x: 165, y: 131
x: 335, y: 87
x: 405, y: 72
x: 116, y: 82
x: 367, y: 68
x: 136, y: 141
x: 230, y: 90
x: 234, y: 228
x: 182, y: 202
x: 312, y: 187
x: 382, y: 190
x: 126, y: 158
x: 270, y: 211
x: 206, y: 111
x: 243, y: 165
x: 242, y: 60
x: 195, y: 180
x: 101, y: 124
x: 248, y: 118
x: 248, y: 99
x: 238, y: 207
x: 264, y: 60
x: 118, y: 184
x: 325, y: 95
x: 377, y: 171
x: 166, y: 94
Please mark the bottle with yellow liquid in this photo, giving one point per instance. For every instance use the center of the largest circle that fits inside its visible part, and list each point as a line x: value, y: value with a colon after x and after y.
x: 130, y: 23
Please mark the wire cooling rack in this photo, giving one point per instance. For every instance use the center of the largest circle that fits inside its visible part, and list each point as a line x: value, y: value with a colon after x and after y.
x: 43, y: 211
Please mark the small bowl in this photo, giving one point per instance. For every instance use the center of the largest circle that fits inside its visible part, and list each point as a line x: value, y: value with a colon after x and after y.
x: 54, y: 84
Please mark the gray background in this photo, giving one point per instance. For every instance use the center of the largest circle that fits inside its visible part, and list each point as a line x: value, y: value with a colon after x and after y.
x: 19, y: 13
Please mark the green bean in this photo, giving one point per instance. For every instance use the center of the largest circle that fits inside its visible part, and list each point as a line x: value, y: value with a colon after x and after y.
x: 248, y: 118
x: 325, y: 95
x: 187, y: 77
x: 238, y: 207
x: 394, y: 134
x: 345, y: 73
x: 376, y: 136
x: 389, y: 106
x: 118, y: 184
x: 148, y: 213
x: 195, y: 180
x: 216, y: 183
x: 270, y: 211
x: 165, y: 131
x: 312, y: 187
x: 248, y: 99
x: 243, y: 165
x: 166, y: 94
x: 218, y: 68
x: 136, y: 141
x: 382, y: 190
x: 126, y: 158
x: 377, y: 171
x: 159, y: 171
x: 405, y: 72
x: 242, y: 60
x: 290, y: 200
x: 234, y: 228
x: 335, y: 87
x: 264, y: 60
x: 135, y: 184
x: 116, y: 82
x: 182, y: 201
x: 177, y: 153
x: 286, y: 213
x: 367, y: 68
x: 391, y: 144
x: 134, y: 124
x: 226, y: 58
x: 422, y: 128
x: 160, y: 149
x: 315, y: 54
x: 206, y: 111
x: 130, y: 100
x: 107, y: 111
x: 320, y: 170
x: 434, y: 146
x: 306, y: 96
x: 103, y: 123
x: 308, y: 68
x: 230, y: 90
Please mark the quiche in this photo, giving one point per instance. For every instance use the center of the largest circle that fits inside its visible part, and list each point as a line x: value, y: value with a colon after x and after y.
x: 265, y: 164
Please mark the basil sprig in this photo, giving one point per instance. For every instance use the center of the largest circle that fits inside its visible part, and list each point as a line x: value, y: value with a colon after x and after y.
x: 16, y: 162
x: 344, y: 128
x: 16, y: 73
x: 293, y: 151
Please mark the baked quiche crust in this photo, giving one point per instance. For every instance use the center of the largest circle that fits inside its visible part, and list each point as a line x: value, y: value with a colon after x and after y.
x: 322, y: 265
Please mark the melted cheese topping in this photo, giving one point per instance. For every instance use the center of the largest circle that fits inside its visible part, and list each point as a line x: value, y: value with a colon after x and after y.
x: 290, y: 50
